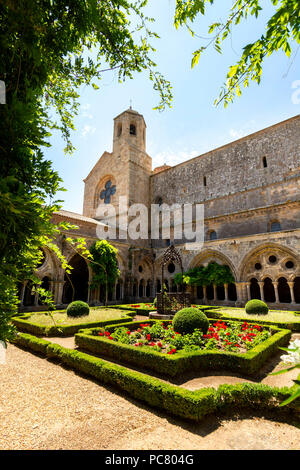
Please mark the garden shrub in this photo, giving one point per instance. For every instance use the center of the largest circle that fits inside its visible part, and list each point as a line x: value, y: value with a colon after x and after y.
x: 188, y: 319
x: 175, y: 400
x: 78, y: 309
x: 256, y: 306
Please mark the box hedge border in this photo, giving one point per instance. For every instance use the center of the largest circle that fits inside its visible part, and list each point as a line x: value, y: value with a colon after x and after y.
x: 177, y: 401
x: 173, y: 365
x: 23, y: 324
x: 293, y: 326
x: 146, y: 311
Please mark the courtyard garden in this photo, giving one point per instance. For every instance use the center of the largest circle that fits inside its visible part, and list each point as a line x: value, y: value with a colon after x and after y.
x: 152, y: 360
x: 60, y: 323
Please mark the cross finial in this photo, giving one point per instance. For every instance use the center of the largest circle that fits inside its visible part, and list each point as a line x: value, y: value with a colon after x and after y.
x: 130, y: 107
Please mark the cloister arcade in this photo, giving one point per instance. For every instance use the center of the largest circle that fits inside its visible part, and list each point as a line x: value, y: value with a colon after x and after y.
x: 269, y: 272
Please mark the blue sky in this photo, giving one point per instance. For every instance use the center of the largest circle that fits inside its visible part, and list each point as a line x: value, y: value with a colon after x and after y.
x: 193, y: 125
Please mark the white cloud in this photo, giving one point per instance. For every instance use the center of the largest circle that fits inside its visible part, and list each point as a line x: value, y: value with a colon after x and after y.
x: 169, y: 157
x: 85, y: 113
x: 88, y: 130
x: 243, y: 131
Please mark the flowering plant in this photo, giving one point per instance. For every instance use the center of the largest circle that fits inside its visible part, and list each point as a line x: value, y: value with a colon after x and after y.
x: 226, y: 336
x: 292, y: 358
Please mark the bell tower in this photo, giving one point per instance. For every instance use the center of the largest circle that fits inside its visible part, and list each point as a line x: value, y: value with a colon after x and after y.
x: 129, y: 130
x: 123, y: 172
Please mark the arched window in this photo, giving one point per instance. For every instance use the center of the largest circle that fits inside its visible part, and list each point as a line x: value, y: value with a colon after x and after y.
x: 254, y: 289
x: 141, y: 288
x: 264, y: 161
x: 212, y: 235
x: 204, y: 180
x: 269, y: 292
x: 132, y: 129
x: 284, y: 292
x: 148, y: 288
x: 275, y: 226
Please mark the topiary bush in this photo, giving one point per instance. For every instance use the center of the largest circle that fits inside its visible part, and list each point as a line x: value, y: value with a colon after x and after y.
x: 78, y: 309
x: 257, y: 307
x: 188, y: 319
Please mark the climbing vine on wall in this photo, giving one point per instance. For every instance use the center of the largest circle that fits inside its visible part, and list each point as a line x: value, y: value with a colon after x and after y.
x: 213, y: 273
x: 104, y: 265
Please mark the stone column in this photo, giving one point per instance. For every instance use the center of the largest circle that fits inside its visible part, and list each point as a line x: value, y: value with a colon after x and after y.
x: 226, y: 292
x: 36, y: 299
x: 240, y: 293
x: 261, y: 288
x: 204, y: 295
x: 291, y: 286
x: 114, y: 292
x: 22, y: 293
x: 59, y: 292
x: 275, y: 284
x: 248, y: 290
x: 215, y: 292
x: 153, y: 289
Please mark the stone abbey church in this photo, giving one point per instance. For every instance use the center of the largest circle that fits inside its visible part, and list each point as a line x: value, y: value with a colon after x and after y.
x: 250, y: 191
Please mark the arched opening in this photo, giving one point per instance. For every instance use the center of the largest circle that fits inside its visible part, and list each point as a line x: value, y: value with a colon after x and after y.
x: 284, y: 292
x: 269, y: 292
x: 275, y: 226
x: 297, y: 290
x: 199, y: 292
x: 44, y: 285
x: 118, y: 291
x: 264, y: 161
x: 232, y: 292
x: 28, y: 296
x: 132, y: 129
x: 220, y: 292
x: 210, y: 292
x: 212, y: 235
x: 158, y: 286
x: 134, y: 289
x: 148, y: 289
x: 79, y: 278
x: 254, y: 289
x: 141, y: 288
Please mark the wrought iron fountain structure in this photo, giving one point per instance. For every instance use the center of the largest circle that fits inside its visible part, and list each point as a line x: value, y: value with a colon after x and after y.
x: 168, y: 303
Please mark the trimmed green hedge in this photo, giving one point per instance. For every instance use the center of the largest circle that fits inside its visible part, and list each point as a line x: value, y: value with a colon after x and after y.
x: 136, y: 311
x: 78, y: 308
x: 23, y: 324
x: 293, y: 326
x: 256, y: 307
x: 188, y: 319
x: 172, y: 365
x: 193, y: 405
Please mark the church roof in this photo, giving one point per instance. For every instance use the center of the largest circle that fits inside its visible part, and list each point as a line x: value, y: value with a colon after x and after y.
x: 75, y: 216
x: 131, y: 111
x: 158, y: 169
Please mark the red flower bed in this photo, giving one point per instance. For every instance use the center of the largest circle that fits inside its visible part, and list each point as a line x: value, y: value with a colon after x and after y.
x: 226, y: 336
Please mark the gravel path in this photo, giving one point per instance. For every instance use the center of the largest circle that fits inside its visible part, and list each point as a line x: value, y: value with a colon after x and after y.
x: 44, y: 406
